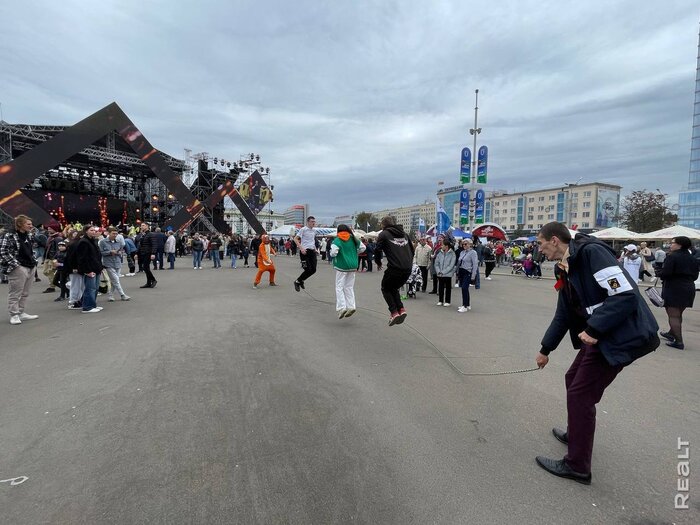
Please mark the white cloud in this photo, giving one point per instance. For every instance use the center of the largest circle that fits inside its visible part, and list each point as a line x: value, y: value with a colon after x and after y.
x: 375, y: 96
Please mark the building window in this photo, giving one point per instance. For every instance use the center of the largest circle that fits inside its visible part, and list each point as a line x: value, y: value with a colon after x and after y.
x: 539, y: 226
x: 574, y: 215
x: 531, y: 208
x: 574, y: 195
x: 540, y: 208
x: 586, y: 193
x: 552, y: 197
x: 587, y: 204
x: 585, y: 225
x: 541, y: 199
x: 540, y: 217
x: 586, y: 214
x: 550, y: 217
x: 529, y: 226
x: 531, y: 199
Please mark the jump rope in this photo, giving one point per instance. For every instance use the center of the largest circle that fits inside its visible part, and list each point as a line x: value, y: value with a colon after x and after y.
x: 427, y: 340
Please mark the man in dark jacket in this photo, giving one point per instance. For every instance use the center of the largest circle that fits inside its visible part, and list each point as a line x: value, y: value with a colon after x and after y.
x: 398, y: 248
x: 147, y: 253
x: 599, y: 304
x: 88, y: 261
x: 159, y: 239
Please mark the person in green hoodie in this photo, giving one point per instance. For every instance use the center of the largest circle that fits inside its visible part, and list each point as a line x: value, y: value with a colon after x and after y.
x: 344, y: 251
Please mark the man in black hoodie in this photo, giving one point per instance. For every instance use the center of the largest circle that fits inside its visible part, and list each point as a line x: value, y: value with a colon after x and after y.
x: 398, y: 248
x: 600, y: 306
x: 88, y: 261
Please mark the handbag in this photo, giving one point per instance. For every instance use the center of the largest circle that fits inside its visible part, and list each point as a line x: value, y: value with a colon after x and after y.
x: 649, y: 258
x: 654, y: 296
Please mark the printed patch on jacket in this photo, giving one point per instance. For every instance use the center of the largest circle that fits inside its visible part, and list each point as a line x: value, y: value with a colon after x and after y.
x: 614, y: 283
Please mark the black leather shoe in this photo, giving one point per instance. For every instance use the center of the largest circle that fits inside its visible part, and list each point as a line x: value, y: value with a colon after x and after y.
x: 667, y: 335
x: 558, y: 467
x: 145, y: 286
x: 297, y: 287
x: 676, y: 344
x: 301, y: 283
x: 153, y: 284
x: 561, y: 435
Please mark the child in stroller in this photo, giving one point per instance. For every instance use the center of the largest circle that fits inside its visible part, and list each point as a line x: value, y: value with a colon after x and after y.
x: 517, y: 266
x: 415, y: 281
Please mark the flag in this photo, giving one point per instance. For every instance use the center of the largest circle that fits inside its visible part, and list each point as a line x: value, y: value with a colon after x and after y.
x: 368, y: 227
x: 464, y: 207
x: 481, y: 169
x: 465, y: 166
x: 443, y: 220
x: 479, y: 206
x: 421, y: 225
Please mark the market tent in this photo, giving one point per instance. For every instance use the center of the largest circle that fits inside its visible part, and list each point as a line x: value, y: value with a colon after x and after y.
x: 615, y: 234
x: 490, y: 230
x: 288, y: 230
x: 669, y: 233
x: 460, y: 234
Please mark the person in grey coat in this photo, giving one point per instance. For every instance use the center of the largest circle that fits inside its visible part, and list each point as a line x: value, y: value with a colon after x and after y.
x: 468, y: 265
x: 445, y: 266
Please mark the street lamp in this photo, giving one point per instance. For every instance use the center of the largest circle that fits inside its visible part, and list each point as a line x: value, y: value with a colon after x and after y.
x: 474, y: 132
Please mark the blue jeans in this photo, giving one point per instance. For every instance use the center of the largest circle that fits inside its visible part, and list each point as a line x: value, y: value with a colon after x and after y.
x: 197, y: 258
x: 90, y: 293
x: 171, y: 260
x: 464, y: 284
x: 215, y: 257
x: 233, y: 260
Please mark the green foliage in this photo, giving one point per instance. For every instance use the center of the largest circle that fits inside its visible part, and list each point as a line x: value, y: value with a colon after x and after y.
x: 363, y: 218
x: 645, y: 211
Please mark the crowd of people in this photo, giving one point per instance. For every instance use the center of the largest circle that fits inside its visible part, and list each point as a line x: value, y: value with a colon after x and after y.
x: 81, y: 262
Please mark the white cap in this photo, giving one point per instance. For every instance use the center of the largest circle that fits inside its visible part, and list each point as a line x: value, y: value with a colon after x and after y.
x: 631, y: 248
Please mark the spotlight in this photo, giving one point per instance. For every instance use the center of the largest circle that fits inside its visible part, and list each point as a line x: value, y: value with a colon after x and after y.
x: 154, y: 197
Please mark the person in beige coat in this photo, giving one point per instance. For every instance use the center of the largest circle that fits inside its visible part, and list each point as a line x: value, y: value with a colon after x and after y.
x: 421, y: 258
x: 647, y: 265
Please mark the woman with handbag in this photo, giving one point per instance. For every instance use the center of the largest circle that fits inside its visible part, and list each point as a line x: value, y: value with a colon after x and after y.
x: 678, y: 274
x: 647, y: 261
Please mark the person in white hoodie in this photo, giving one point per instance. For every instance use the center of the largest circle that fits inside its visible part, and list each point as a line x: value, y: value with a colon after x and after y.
x: 632, y: 262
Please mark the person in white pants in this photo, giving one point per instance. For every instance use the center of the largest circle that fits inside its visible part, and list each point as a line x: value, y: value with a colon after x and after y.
x: 344, y: 251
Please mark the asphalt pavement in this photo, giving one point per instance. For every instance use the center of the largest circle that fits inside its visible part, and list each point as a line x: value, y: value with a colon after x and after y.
x: 207, y: 401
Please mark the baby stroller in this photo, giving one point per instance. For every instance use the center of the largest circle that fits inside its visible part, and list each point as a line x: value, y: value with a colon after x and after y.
x: 517, y: 266
x: 414, y: 282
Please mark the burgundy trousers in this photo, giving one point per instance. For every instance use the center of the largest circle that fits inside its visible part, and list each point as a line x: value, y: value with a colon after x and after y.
x: 587, y: 378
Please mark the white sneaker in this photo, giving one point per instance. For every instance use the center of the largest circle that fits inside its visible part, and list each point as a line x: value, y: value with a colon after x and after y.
x: 93, y: 311
x: 462, y: 309
x: 488, y: 278
x: 111, y: 299
x: 469, y: 307
x: 27, y: 317
x: 15, y: 319
x: 446, y: 304
x: 125, y: 297
x: 99, y: 307
x: 457, y: 285
x: 438, y: 304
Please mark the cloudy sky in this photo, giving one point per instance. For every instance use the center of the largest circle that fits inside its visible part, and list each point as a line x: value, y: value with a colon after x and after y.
x: 359, y: 105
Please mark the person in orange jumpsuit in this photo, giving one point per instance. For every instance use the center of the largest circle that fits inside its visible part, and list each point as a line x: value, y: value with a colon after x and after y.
x: 265, y: 264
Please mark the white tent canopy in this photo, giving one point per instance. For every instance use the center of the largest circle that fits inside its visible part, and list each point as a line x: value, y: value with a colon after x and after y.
x: 670, y: 233
x: 288, y: 230
x: 615, y: 234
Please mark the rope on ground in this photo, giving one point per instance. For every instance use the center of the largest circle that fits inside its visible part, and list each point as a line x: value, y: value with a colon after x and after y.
x: 431, y: 344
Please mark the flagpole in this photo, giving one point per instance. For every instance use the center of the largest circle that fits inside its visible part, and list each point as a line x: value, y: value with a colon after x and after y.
x: 474, y: 131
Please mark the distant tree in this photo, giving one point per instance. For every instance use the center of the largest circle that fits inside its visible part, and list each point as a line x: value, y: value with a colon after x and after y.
x: 645, y: 211
x: 364, y: 218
